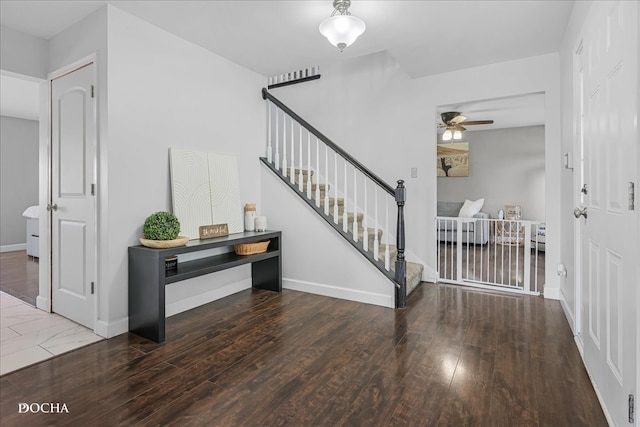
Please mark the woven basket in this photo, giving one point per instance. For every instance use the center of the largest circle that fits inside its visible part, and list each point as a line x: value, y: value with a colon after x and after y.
x: 252, y: 248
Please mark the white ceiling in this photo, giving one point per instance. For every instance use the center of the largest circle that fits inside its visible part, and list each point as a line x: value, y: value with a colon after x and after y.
x: 273, y: 37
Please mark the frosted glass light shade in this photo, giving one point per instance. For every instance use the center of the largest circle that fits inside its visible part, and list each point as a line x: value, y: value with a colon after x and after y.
x: 447, y: 135
x: 457, y: 135
x: 342, y: 30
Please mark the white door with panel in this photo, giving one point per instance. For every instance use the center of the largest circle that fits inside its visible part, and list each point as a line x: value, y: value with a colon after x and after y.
x: 609, y: 248
x: 72, y: 205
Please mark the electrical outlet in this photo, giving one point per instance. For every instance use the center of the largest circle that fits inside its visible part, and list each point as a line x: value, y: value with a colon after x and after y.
x: 414, y: 172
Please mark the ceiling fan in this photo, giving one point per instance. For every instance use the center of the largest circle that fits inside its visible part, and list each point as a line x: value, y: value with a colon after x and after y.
x: 452, y: 121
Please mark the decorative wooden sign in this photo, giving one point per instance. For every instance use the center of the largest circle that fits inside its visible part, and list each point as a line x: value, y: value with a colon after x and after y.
x: 215, y: 230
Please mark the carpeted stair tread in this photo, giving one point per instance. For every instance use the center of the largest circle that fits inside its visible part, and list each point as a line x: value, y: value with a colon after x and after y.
x: 414, y: 273
x: 332, y: 201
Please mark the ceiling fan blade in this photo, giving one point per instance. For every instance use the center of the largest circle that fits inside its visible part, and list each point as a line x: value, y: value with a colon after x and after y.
x: 458, y: 119
x: 479, y: 122
x: 456, y: 127
x: 448, y: 116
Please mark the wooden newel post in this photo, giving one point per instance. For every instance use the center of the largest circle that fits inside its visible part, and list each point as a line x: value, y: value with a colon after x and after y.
x: 401, y: 264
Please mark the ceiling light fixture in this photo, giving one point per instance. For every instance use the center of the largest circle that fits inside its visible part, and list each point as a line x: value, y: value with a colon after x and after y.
x: 447, y: 135
x: 343, y: 29
x: 457, y: 134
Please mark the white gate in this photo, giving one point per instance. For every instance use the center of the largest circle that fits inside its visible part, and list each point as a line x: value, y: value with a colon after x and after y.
x: 491, y: 253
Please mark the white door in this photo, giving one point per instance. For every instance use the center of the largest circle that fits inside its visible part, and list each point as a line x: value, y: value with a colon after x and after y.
x: 609, y: 248
x: 72, y: 206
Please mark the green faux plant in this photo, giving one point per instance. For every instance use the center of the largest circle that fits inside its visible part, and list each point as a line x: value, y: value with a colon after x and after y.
x: 161, y: 226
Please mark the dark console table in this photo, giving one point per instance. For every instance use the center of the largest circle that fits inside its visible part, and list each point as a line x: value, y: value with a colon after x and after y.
x: 147, y: 275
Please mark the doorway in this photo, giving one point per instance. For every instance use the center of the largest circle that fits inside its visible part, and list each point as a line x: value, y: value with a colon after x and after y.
x: 505, y: 171
x: 19, y: 147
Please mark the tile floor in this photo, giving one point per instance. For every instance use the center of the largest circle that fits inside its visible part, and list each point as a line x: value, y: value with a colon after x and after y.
x: 29, y: 335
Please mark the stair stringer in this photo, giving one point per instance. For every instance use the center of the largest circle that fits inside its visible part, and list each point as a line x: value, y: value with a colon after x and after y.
x: 315, y: 258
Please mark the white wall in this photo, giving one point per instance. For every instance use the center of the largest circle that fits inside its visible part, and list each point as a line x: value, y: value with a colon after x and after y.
x: 22, y: 53
x: 157, y: 91
x: 18, y: 176
x: 370, y: 107
x: 506, y: 167
x: 165, y: 92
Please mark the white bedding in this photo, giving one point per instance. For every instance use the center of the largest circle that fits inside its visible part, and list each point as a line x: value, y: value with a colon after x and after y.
x: 31, y: 212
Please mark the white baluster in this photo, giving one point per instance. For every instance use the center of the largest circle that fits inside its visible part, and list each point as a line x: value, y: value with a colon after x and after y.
x: 355, y: 205
x: 376, y: 243
x: 317, y: 171
x: 336, y: 213
x: 292, y: 175
x: 326, y: 180
x: 284, y: 146
x: 269, y: 148
x: 308, y: 165
x: 345, y: 215
x: 277, y: 137
x: 300, y: 177
x: 386, y: 234
x: 365, y: 233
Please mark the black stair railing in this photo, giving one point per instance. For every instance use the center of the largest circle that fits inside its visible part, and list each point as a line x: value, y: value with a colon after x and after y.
x: 343, y: 193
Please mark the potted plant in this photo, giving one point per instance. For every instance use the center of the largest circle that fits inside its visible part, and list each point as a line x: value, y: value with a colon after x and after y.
x: 160, y: 230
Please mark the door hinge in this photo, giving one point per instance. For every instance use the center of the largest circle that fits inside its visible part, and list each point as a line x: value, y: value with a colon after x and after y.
x: 93, y: 94
x: 632, y: 196
x: 93, y: 288
x: 93, y: 189
x: 631, y: 409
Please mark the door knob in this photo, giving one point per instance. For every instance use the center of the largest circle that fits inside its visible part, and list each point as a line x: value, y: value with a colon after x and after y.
x: 577, y: 212
x: 53, y: 207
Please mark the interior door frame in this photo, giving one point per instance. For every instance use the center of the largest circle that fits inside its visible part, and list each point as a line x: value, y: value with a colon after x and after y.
x: 577, y: 180
x: 44, y: 300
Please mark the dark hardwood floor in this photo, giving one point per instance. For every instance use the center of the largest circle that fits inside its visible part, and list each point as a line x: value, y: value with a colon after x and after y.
x: 454, y: 357
x: 19, y: 276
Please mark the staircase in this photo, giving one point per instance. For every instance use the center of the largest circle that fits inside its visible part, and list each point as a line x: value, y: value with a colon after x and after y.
x: 356, y: 215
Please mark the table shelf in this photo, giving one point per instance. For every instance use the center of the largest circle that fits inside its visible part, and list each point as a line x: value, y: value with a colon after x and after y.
x: 202, y: 266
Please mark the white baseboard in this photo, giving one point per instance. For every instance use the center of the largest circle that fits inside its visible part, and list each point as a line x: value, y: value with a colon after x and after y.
x: 207, y: 297
x: 112, y: 329
x: 13, y: 248
x: 43, y: 304
x: 428, y: 274
x: 568, y: 313
x: 340, y: 293
x: 551, y: 293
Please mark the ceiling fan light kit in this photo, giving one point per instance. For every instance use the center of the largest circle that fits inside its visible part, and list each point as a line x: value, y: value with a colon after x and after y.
x: 452, y: 122
x: 342, y: 29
